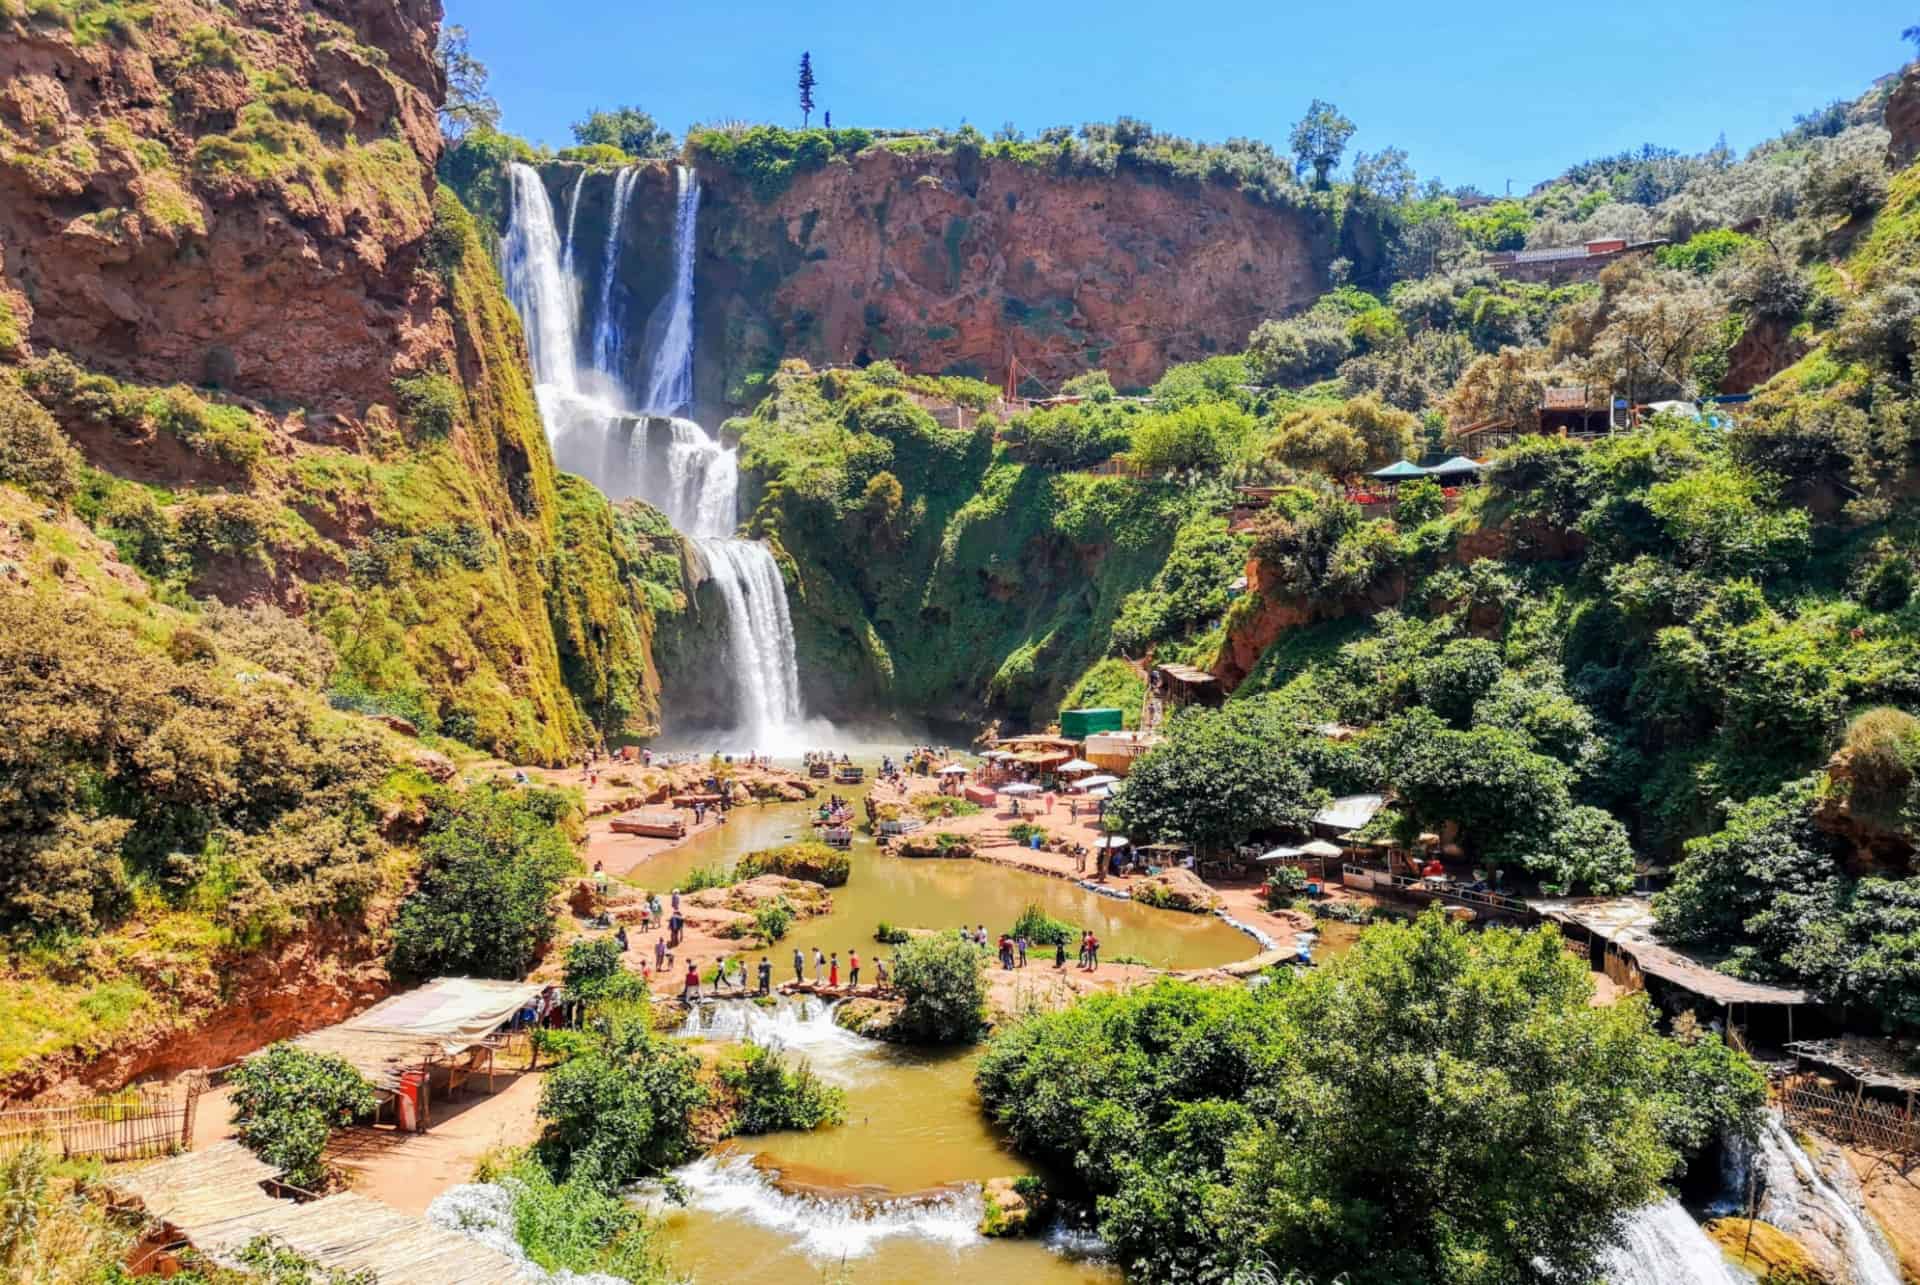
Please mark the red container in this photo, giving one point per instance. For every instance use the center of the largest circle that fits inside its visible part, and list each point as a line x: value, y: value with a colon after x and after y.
x: 406, y: 1103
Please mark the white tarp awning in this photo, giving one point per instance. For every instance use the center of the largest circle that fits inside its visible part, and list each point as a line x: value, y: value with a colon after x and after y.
x: 1351, y: 812
x: 459, y: 1012
x: 1019, y: 788
x: 1077, y: 765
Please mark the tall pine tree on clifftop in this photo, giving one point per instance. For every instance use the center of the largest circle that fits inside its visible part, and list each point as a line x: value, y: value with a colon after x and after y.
x: 806, y: 88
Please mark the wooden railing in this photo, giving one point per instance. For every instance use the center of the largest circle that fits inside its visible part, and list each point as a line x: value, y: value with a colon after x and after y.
x: 1857, y: 1120
x: 1411, y: 885
x: 126, y: 1126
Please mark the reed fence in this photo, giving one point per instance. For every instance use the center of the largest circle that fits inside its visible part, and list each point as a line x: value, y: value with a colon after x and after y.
x: 1854, y: 1119
x: 133, y: 1125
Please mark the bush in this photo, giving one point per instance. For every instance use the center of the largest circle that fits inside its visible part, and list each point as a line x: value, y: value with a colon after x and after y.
x: 575, y: 1227
x: 1025, y: 832
x: 890, y: 934
x: 942, y: 981
x: 491, y: 862
x: 809, y: 860
x: 776, y: 1094
x: 1041, y: 929
x: 429, y: 403
x: 593, y: 972
x: 287, y: 1100
x: 772, y: 920
x: 940, y: 807
x: 34, y: 454
x: 620, y: 1107
x: 702, y: 877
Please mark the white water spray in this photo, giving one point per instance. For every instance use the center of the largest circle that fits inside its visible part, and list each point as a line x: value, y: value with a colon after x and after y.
x: 1662, y: 1245
x: 573, y: 218
x: 829, y: 1228
x: 542, y: 294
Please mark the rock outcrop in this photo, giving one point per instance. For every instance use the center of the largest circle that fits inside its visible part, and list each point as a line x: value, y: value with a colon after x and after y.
x: 946, y: 264
x: 1903, y: 119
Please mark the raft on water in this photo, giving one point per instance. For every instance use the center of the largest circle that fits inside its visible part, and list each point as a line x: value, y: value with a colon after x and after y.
x: 653, y: 825
x: 849, y: 774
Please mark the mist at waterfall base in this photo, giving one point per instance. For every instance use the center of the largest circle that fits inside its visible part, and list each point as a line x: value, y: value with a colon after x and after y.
x: 636, y: 446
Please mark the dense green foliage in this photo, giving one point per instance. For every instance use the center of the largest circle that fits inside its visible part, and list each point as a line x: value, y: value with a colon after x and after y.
x: 1437, y: 1105
x: 620, y: 1107
x: 808, y: 859
x: 1041, y: 928
x: 1221, y: 776
x: 286, y: 1101
x: 491, y: 861
x: 942, y: 983
x: 776, y: 1092
x: 578, y: 1226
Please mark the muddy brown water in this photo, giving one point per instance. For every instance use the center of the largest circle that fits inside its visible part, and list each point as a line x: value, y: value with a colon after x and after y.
x: 892, y: 1194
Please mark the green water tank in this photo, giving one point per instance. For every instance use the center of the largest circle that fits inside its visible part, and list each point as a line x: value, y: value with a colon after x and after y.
x: 1079, y: 724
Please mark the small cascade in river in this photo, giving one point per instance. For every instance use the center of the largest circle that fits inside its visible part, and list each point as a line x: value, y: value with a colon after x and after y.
x: 826, y: 1227
x: 672, y: 463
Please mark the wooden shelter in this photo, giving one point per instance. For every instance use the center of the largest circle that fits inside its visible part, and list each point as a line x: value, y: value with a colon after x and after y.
x: 1179, y: 686
x: 219, y: 1200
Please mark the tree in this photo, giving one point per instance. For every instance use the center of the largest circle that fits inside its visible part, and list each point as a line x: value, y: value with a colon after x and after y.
x: 1364, y: 433
x: 491, y: 862
x: 1219, y: 776
x: 1319, y: 140
x: 287, y: 1100
x: 621, y: 1108
x: 806, y: 88
x: 1437, y: 1105
x: 468, y: 106
x: 627, y: 128
x: 826, y: 120
x: 1912, y: 36
x: 1385, y: 174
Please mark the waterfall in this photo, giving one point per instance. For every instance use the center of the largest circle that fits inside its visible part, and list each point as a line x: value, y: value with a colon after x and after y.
x: 608, y: 335
x: 542, y: 294
x: 1662, y: 1245
x: 673, y: 464
x: 670, y: 329
x: 1796, y: 1197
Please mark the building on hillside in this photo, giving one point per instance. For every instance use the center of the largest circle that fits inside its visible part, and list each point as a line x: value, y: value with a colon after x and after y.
x: 1559, y: 264
x: 1172, y: 687
x: 1579, y: 411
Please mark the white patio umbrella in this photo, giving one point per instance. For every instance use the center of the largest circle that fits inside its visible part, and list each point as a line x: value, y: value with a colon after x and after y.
x: 1020, y: 789
x: 1095, y: 782
x: 953, y: 769
x: 1321, y: 848
x: 1100, y: 792
x: 1111, y: 841
x: 1077, y: 765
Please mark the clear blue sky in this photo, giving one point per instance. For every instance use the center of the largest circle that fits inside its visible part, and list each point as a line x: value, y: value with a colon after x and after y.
x: 1476, y: 92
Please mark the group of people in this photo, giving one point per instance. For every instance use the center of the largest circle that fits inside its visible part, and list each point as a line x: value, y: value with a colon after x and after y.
x: 1012, y: 949
x: 826, y: 972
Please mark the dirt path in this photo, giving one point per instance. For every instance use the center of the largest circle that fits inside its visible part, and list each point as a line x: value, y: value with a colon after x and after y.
x: 407, y: 1170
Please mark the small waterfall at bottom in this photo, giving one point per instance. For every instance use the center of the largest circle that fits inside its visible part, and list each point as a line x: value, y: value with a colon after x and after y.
x: 1662, y: 1245
x: 761, y: 657
x: 1796, y: 1197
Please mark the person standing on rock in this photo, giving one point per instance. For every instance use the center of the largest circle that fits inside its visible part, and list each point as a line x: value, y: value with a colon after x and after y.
x: 853, y: 967
x: 659, y: 954
x: 799, y: 965
x: 833, y: 972
x: 676, y: 901
x: 678, y: 925
x: 766, y: 975
x: 819, y: 965
x: 1020, y: 944
x: 690, y: 989
x: 1093, y: 952
x: 1059, y: 953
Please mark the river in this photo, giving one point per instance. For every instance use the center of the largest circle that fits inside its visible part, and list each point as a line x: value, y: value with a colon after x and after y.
x: 893, y: 1192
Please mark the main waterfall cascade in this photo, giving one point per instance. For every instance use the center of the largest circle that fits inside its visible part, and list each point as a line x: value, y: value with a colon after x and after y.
x: 646, y: 452
x: 1792, y: 1194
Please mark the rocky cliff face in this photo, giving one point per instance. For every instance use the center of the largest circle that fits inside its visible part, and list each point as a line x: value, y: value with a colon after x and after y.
x: 225, y: 268
x: 950, y: 266
x: 234, y: 194
x: 1903, y: 119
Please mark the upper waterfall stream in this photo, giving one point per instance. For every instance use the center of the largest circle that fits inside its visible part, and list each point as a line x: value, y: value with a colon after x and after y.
x: 636, y: 447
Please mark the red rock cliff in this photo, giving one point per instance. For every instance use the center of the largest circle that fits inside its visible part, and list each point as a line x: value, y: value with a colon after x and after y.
x: 232, y: 194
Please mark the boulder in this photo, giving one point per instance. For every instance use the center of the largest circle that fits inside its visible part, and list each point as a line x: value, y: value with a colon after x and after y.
x: 436, y: 765
x: 924, y: 845
x: 395, y: 723
x: 1177, y: 889
x: 1011, y: 1212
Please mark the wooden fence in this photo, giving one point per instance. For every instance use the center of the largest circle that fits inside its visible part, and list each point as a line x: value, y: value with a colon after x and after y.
x: 126, y: 1126
x: 1858, y: 1120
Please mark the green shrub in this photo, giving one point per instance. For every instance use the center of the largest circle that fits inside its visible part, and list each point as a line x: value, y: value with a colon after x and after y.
x: 942, y: 981
x: 593, y: 972
x: 286, y: 1100
x: 774, y: 1093
x: 1042, y: 929
x: 491, y: 862
x: 1025, y: 832
x: 429, y: 403
x: 890, y: 934
x: 34, y: 454
x: 940, y: 807
x: 702, y: 877
x: 576, y: 1227
x: 772, y: 920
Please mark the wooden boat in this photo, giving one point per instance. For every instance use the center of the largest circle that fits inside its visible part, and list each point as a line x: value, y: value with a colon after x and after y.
x: 653, y: 825
x: 820, y: 769
x: 849, y: 774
